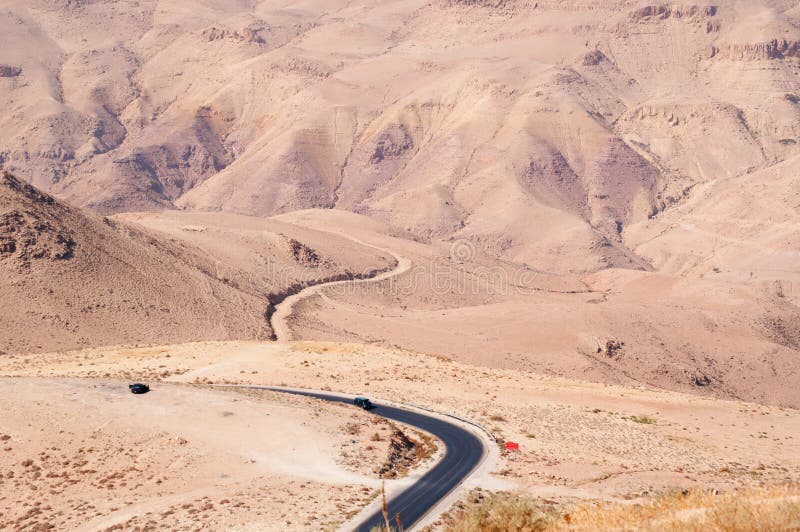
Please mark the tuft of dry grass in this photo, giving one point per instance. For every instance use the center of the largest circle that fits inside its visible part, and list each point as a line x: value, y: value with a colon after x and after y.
x: 387, y: 526
x: 644, y: 420
x: 776, y: 508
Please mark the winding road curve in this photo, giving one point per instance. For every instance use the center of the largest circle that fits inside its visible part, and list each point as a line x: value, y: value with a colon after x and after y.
x: 280, y: 319
x: 464, y: 453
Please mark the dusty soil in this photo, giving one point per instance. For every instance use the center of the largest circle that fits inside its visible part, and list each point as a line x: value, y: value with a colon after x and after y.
x: 577, y: 439
x: 88, y: 455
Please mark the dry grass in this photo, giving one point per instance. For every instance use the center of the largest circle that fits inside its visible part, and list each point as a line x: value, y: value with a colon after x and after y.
x: 753, y: 509
x: 644, y: 420
x: 499, y: 512
x: 387, y: 526
x: 427, y: 446
x: 694, y: 510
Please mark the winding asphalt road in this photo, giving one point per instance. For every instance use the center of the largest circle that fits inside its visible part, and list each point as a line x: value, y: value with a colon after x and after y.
x: 464, y: 452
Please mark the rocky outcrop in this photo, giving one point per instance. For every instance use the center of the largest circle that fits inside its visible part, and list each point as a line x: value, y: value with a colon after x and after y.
x: 9, y: 71
x: 303, y: 254
x: 662, y: 12
x: 593, y: 58
x: 701, y: 380
x: 302, y: 67
x: 781, y: 325
x: 650, y: 12
x: 24, y: 238
x: 621, y: 187
x: 550, y: 179
x: 251, y: 34
x: 761, y: 51
x: 24, y: 190
x: 701, y: 16
x: 377, y: 159
x: 479, y: 3
x: 25, y: 233
x: 612, y: 348
x: 393, y: 142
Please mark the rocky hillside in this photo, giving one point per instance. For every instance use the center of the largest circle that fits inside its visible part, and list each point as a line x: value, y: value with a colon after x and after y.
x: 547, y: 126
x: 71, y: 279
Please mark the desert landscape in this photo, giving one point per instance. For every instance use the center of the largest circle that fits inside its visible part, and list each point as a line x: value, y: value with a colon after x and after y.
x: 572, y: 227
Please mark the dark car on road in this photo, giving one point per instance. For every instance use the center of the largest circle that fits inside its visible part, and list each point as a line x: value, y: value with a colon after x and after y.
x: 139, y: 388
x: 363, y: 402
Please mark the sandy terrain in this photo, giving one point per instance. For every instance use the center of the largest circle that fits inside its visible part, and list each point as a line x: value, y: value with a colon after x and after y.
x: 98, y: 457
x: 263, y: 255
x: 578, y: 439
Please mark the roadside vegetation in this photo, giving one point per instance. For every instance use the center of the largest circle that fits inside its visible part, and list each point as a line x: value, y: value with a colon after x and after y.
x: 690, y: 510
x: 498, y: 512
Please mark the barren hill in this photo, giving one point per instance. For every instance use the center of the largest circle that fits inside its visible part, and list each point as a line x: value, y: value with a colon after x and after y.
x: 532, y: 123
x: 73, y: 279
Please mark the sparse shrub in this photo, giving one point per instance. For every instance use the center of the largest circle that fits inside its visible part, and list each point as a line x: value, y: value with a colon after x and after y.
x: 500, y: 512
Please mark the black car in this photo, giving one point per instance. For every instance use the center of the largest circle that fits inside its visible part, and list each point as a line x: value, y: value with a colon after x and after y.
x: 139, y: 388
x: 363, y: 402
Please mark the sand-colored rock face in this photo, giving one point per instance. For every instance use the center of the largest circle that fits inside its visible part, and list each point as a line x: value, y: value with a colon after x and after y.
x: 71, y: 278
x: 421, y: 114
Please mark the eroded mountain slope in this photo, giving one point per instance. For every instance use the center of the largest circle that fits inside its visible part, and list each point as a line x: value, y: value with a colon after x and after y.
x: 491, y: 120
x: 73, y: 279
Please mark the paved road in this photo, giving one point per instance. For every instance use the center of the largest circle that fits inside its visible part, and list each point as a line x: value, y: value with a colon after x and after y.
x: 464, y: 451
